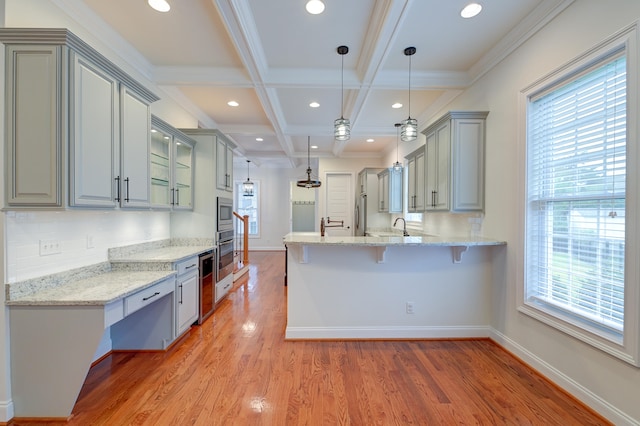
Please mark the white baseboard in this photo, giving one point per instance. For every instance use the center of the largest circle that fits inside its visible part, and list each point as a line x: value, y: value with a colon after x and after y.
x: 386, y: 332
x: 565, y: 382
x: 277, y: 248
x: 6, y: 411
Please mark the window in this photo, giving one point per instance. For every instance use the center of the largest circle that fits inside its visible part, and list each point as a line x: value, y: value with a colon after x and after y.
x: 249, y: 206
x: 576, y: 204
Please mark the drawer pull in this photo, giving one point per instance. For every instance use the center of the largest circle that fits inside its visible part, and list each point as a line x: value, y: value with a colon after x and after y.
x: 153, y: 295
x: 191, y: 266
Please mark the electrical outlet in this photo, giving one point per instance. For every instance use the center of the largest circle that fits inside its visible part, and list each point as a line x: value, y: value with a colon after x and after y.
x: 90, y: 243
x: 49, y: 247
x: 409, y: 307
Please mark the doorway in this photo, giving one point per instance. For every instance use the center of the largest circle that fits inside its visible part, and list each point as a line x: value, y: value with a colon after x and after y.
x: 339, y: 203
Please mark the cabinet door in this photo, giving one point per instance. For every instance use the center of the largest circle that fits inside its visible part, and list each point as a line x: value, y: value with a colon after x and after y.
x: 419, y: 200
x: 395, y: 191
x: 36, y: 129
x: 468, y: 165
x: 135, y: 141
x: 222, y: 178
x: 383, y: 192
x: 443, y: 158
x: 229, y: 167
x: 411, y: 180
x: 183, y: 176
x: 186, y: 302
x: 161, y: 144
x: 94, y: 138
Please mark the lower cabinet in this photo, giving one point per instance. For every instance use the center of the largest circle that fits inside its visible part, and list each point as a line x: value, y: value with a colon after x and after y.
x: 186, y: 295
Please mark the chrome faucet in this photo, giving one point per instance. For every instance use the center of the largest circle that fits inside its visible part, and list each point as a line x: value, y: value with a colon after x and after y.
x: 404, y: 226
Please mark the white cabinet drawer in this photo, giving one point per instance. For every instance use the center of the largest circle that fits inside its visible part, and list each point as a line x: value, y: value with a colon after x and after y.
x: 222, y: 288
x: 147, y: 296
x: 187, y: 265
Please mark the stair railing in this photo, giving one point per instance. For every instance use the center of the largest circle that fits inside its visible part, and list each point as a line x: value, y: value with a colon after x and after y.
x: 245, y: 240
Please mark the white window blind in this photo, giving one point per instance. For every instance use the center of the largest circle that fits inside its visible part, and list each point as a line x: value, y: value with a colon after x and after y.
x: 576, y: 182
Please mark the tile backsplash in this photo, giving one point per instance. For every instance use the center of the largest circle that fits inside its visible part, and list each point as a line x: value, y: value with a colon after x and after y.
x: 74, y: 238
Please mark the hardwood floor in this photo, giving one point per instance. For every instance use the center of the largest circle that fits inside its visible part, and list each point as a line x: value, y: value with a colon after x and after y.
x: 237, y: 369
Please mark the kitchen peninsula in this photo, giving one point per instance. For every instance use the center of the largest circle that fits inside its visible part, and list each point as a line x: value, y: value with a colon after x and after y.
x: 392, y: 286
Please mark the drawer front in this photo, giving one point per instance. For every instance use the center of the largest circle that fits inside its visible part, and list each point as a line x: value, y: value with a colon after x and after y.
x: 147, y: 296
x: 187, y: 265
x: 222, y: 288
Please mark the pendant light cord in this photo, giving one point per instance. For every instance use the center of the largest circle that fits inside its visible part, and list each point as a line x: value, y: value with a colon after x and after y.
x: 409, y: 86
x: 342, y: 89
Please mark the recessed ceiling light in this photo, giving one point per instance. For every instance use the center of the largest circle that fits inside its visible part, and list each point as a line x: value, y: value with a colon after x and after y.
x: 259, y: 139
x: 314, y: 146
x: 166, y: 137
x: 471, y: 10
x: 396, y: 105
x: 370, y: 140
x: 154, y: 131
x: 159, y: 5
x: 315, y: 7
x: 314, y: 105
x: 233, y: 103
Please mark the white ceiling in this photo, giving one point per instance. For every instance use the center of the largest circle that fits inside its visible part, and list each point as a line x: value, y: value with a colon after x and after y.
x: 274, y: 58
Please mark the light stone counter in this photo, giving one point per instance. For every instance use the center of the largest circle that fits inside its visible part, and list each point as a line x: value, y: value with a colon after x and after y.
x: 99, y: 289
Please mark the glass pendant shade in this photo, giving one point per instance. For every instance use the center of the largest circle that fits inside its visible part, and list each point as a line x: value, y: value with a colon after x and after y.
x: 308, y: 182
x: 342, y: 126
x: 342, y: 129
x: 409, y: 130
x: 247, y: 185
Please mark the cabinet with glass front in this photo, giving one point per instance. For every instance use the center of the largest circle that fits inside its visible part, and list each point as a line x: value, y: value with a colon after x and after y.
x: 171, y: 167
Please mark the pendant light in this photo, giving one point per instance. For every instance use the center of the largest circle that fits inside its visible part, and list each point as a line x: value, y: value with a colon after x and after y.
x: 342, y: 126
x: 397, y: 166
x: 409, y: 131
x: 247, y: 186
x: 308, y: 182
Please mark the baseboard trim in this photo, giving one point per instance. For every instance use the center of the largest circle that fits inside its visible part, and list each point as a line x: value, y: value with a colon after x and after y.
x: 557, y: 377
x: 6, y: 410
x: 328, y: 333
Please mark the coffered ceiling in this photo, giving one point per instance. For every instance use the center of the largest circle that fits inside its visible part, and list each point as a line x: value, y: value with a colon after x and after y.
x: 274, y: 59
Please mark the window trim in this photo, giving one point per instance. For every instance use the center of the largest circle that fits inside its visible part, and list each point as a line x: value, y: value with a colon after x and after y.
x: 257, y: 186
x: 628, y: 347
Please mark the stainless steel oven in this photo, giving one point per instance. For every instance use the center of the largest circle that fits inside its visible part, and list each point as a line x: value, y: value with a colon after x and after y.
x: 225, y: 214
x: 225, y: 254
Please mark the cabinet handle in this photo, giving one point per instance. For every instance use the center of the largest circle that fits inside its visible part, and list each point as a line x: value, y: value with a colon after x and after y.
x: 172, y: 196
x: 117, y: 179
x: 180, y: 302
x: 190, y: 266
x: 177, y: 196
x: 433, y: 198
x: 153, y: 295
x: 126, y: 181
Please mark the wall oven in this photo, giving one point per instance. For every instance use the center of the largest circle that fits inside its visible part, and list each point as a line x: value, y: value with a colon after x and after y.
x: 225, y: 214
x: 225, y: 254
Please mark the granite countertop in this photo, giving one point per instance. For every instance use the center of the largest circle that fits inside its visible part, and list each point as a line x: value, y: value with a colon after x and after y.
x: 314, y: 238
x: 98, y: 290
x: 162, y: 254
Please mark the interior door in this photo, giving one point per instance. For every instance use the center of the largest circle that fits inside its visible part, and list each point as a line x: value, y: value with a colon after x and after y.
x: 339, y: 205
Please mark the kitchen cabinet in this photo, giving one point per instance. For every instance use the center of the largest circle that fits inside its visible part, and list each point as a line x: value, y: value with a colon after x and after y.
x: 455, y: 147
x: 172, y: 167
x: 416, y: 180
x: 77, y: 125
x: 390, y: 191
x: 186, y: 294
x: 224, y: 165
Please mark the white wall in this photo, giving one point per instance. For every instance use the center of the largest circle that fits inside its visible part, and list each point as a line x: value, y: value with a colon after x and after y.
x: 605, y: 383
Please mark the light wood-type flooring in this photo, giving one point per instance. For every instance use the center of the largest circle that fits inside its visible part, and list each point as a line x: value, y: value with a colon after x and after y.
x: 237, y: 369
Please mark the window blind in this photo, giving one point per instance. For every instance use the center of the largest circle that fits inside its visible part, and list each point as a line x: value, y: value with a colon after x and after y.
x: 576, y: 183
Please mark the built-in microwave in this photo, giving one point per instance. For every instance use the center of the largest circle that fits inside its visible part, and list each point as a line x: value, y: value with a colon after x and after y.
x: 225, y: 214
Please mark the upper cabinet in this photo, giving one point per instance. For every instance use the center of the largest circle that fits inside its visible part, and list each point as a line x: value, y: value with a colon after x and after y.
x: 390, y: 191
x: 416, y: 180
x: 78, y: 127
x: 224, y: 164
x: 172, y: 167
x: 455, y: 146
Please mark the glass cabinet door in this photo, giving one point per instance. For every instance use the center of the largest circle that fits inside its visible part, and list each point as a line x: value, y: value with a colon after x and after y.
x: 183, y: 196
x: 160, y: 168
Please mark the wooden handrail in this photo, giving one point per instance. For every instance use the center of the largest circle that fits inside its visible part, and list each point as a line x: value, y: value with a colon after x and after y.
x: 245, y: 240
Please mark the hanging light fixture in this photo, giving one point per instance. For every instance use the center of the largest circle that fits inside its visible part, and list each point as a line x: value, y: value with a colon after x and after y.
x: 308, y: 182
x: 342, y: 126
x: 409, y: 130
x: 397, y: 166
x: 247, y: 186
